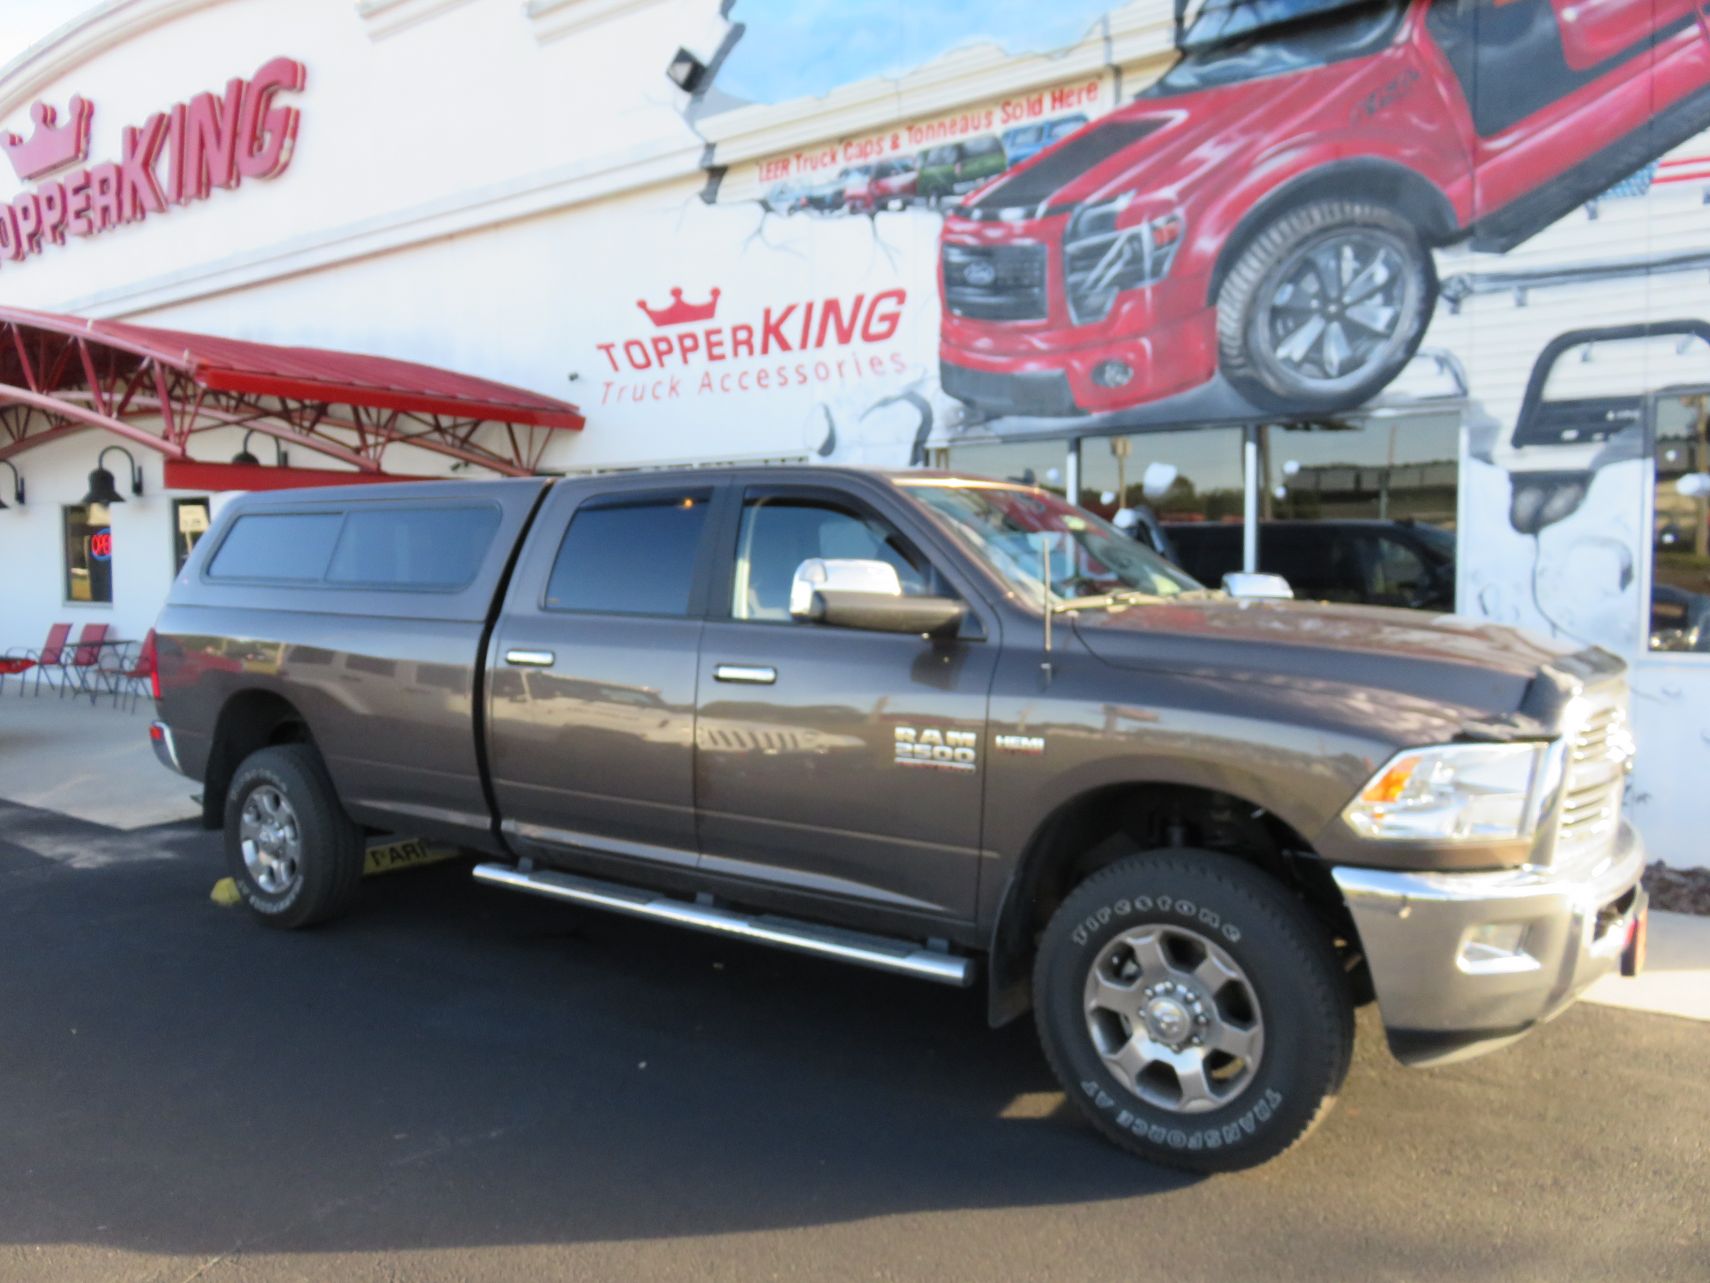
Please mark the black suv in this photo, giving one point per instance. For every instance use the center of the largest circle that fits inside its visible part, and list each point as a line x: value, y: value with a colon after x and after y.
x: 1375, y: 563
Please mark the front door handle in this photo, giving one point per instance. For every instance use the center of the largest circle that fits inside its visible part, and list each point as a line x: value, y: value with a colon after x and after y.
x: 753, y: 674
x: 530, y: 658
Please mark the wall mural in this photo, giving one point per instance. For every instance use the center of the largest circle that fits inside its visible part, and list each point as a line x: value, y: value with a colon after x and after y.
x: 1253, y: 234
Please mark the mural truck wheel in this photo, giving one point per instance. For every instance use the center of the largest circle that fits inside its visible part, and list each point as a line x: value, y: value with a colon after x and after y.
x: 1324, y: 307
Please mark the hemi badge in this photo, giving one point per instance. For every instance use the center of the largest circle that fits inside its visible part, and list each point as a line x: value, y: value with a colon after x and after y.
x: 1032, y: 745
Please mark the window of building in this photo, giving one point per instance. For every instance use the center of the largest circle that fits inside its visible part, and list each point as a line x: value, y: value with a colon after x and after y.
x: 1037, y: 463
x: 631, y: 556
x: 285, y: 547
x: 189, y: 524
x: 433, y: 549
x: 1680, y: 539
x: 1181, y: 475
x: 88, y: 553
x: 1395, y: 469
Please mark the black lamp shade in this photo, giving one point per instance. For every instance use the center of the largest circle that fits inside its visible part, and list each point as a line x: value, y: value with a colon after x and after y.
x: 686, y: 71
x: 246, y: 458
x: 102, y: 489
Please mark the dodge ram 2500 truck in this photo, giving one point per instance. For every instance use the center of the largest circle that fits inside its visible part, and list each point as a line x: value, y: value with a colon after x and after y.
x: 935, y: 725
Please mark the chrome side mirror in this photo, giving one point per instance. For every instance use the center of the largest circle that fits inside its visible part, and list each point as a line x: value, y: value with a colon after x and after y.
x: 1260, y: 587
x: 855, y: 593
x: 840, y: 574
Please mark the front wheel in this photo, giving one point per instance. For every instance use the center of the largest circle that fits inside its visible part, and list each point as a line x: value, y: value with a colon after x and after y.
x: 1324, y: 307
x: 1193, y: 1010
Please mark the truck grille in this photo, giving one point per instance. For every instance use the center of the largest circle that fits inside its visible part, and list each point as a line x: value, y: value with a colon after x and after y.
x: 996, y: 282
x: 1599, y: 749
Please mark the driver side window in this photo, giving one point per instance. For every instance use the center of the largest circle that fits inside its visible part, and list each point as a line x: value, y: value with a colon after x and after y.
x: 1397, y: 575
x: 779, y: 532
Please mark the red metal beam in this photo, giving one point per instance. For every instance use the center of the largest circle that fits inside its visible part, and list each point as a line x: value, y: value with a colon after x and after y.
x: 84, y: 417
x: 191, y: 475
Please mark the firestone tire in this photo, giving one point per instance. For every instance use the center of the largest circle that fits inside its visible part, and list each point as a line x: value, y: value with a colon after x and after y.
x: 294, y: 854
x: 1324, y: 307
x: 1289, y: 1009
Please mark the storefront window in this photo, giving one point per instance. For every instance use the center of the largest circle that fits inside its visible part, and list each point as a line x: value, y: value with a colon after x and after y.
x: 1038, y: 463
x: 1192, y: 475
x: 1680, y: 576
x: 88, y: 553
x: 189, y: 524
x: 1402, y: 469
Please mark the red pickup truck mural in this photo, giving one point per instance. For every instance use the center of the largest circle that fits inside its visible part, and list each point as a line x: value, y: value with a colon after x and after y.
x: 1266, y: 212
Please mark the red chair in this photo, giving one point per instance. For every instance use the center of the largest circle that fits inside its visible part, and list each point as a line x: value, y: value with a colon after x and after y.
x: 51, y: 655
x: 85, y: 661
x: 134, y: 678
x: 14, y: 667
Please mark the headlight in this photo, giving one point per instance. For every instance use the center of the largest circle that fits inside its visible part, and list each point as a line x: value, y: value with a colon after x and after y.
x: 1458, y: 793
x: 1100, y: 260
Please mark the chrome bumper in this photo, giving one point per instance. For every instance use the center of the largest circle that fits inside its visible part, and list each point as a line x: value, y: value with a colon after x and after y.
x: 1464, y: 962
x: 165, y: 747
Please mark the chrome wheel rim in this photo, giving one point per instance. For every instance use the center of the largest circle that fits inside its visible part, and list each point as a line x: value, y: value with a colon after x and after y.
x: 1174, y: 1018
x: 271, y: 840
x: 1341, y: 309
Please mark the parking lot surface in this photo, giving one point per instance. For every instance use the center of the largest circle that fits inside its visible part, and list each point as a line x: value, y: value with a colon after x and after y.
x: 459, y: 1083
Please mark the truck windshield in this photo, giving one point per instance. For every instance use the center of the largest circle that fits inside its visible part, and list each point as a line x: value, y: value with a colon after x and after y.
x: 1014, y: 530
x: 1230, y: 43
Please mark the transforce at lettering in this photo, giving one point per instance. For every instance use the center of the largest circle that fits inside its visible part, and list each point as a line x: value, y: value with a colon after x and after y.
x: 213, y: 140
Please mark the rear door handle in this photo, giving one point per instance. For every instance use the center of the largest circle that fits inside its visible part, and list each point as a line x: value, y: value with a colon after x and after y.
x: 530, y: 658
x: 753, y: 674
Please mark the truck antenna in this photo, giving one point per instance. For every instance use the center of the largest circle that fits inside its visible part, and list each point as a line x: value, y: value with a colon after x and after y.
x: 1045, y: 598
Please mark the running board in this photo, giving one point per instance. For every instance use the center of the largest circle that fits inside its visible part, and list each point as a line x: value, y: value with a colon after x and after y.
x: 863, y: 950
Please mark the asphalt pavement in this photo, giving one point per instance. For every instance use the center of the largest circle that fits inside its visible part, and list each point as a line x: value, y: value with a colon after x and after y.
x: 460, y: 1083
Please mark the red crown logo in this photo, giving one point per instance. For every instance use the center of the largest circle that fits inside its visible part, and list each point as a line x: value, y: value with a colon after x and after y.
x: 52, y: 146
x: 681, y: 313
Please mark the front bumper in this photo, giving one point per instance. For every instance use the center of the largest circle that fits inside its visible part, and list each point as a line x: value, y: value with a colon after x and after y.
x: 1441, y: 995
x: 1005, y: 369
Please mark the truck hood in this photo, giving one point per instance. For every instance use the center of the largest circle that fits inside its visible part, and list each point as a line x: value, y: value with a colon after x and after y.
x: 1160, y: 146
x: 1481, y: 669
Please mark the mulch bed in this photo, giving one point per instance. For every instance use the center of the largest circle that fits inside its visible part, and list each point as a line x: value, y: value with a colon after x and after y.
x: 1678, y: 890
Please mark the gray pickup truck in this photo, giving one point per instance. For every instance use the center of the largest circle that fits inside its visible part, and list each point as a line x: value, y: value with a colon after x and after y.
x: 941, y: 726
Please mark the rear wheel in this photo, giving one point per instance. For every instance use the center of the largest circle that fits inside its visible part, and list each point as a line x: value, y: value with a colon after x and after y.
x: 294, y: 854
x: 1193, y: 1010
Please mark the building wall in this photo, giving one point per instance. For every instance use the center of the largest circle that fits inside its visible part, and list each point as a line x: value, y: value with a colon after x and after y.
x: 518, y: 191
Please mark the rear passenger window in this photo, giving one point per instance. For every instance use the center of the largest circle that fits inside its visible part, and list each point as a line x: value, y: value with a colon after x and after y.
x: 630, y: 557
x: 431, y: 549
x: 283, y: 546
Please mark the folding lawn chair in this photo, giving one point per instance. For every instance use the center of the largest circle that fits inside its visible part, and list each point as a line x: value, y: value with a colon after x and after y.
x: 84, y: 662
x: 51, y: 655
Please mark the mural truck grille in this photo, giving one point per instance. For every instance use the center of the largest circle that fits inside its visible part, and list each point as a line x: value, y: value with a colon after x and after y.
x: 995, y: 282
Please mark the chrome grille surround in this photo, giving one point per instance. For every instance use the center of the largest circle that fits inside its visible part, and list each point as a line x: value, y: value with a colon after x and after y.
x: 1599, y: 752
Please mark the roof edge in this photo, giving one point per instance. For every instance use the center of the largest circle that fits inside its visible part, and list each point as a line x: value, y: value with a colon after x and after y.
x: 80, y: 39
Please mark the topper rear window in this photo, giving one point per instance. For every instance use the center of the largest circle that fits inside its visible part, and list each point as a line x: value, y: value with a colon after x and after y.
x: 402, y: 548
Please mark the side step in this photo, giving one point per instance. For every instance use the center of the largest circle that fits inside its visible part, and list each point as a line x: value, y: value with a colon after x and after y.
x: 864, y: 950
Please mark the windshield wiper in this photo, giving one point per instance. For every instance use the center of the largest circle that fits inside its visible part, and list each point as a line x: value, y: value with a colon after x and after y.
x: 1119, y: 597
x: 1131, y: 596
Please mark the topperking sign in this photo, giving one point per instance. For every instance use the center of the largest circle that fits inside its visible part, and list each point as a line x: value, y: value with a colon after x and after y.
x: 174, y: 157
